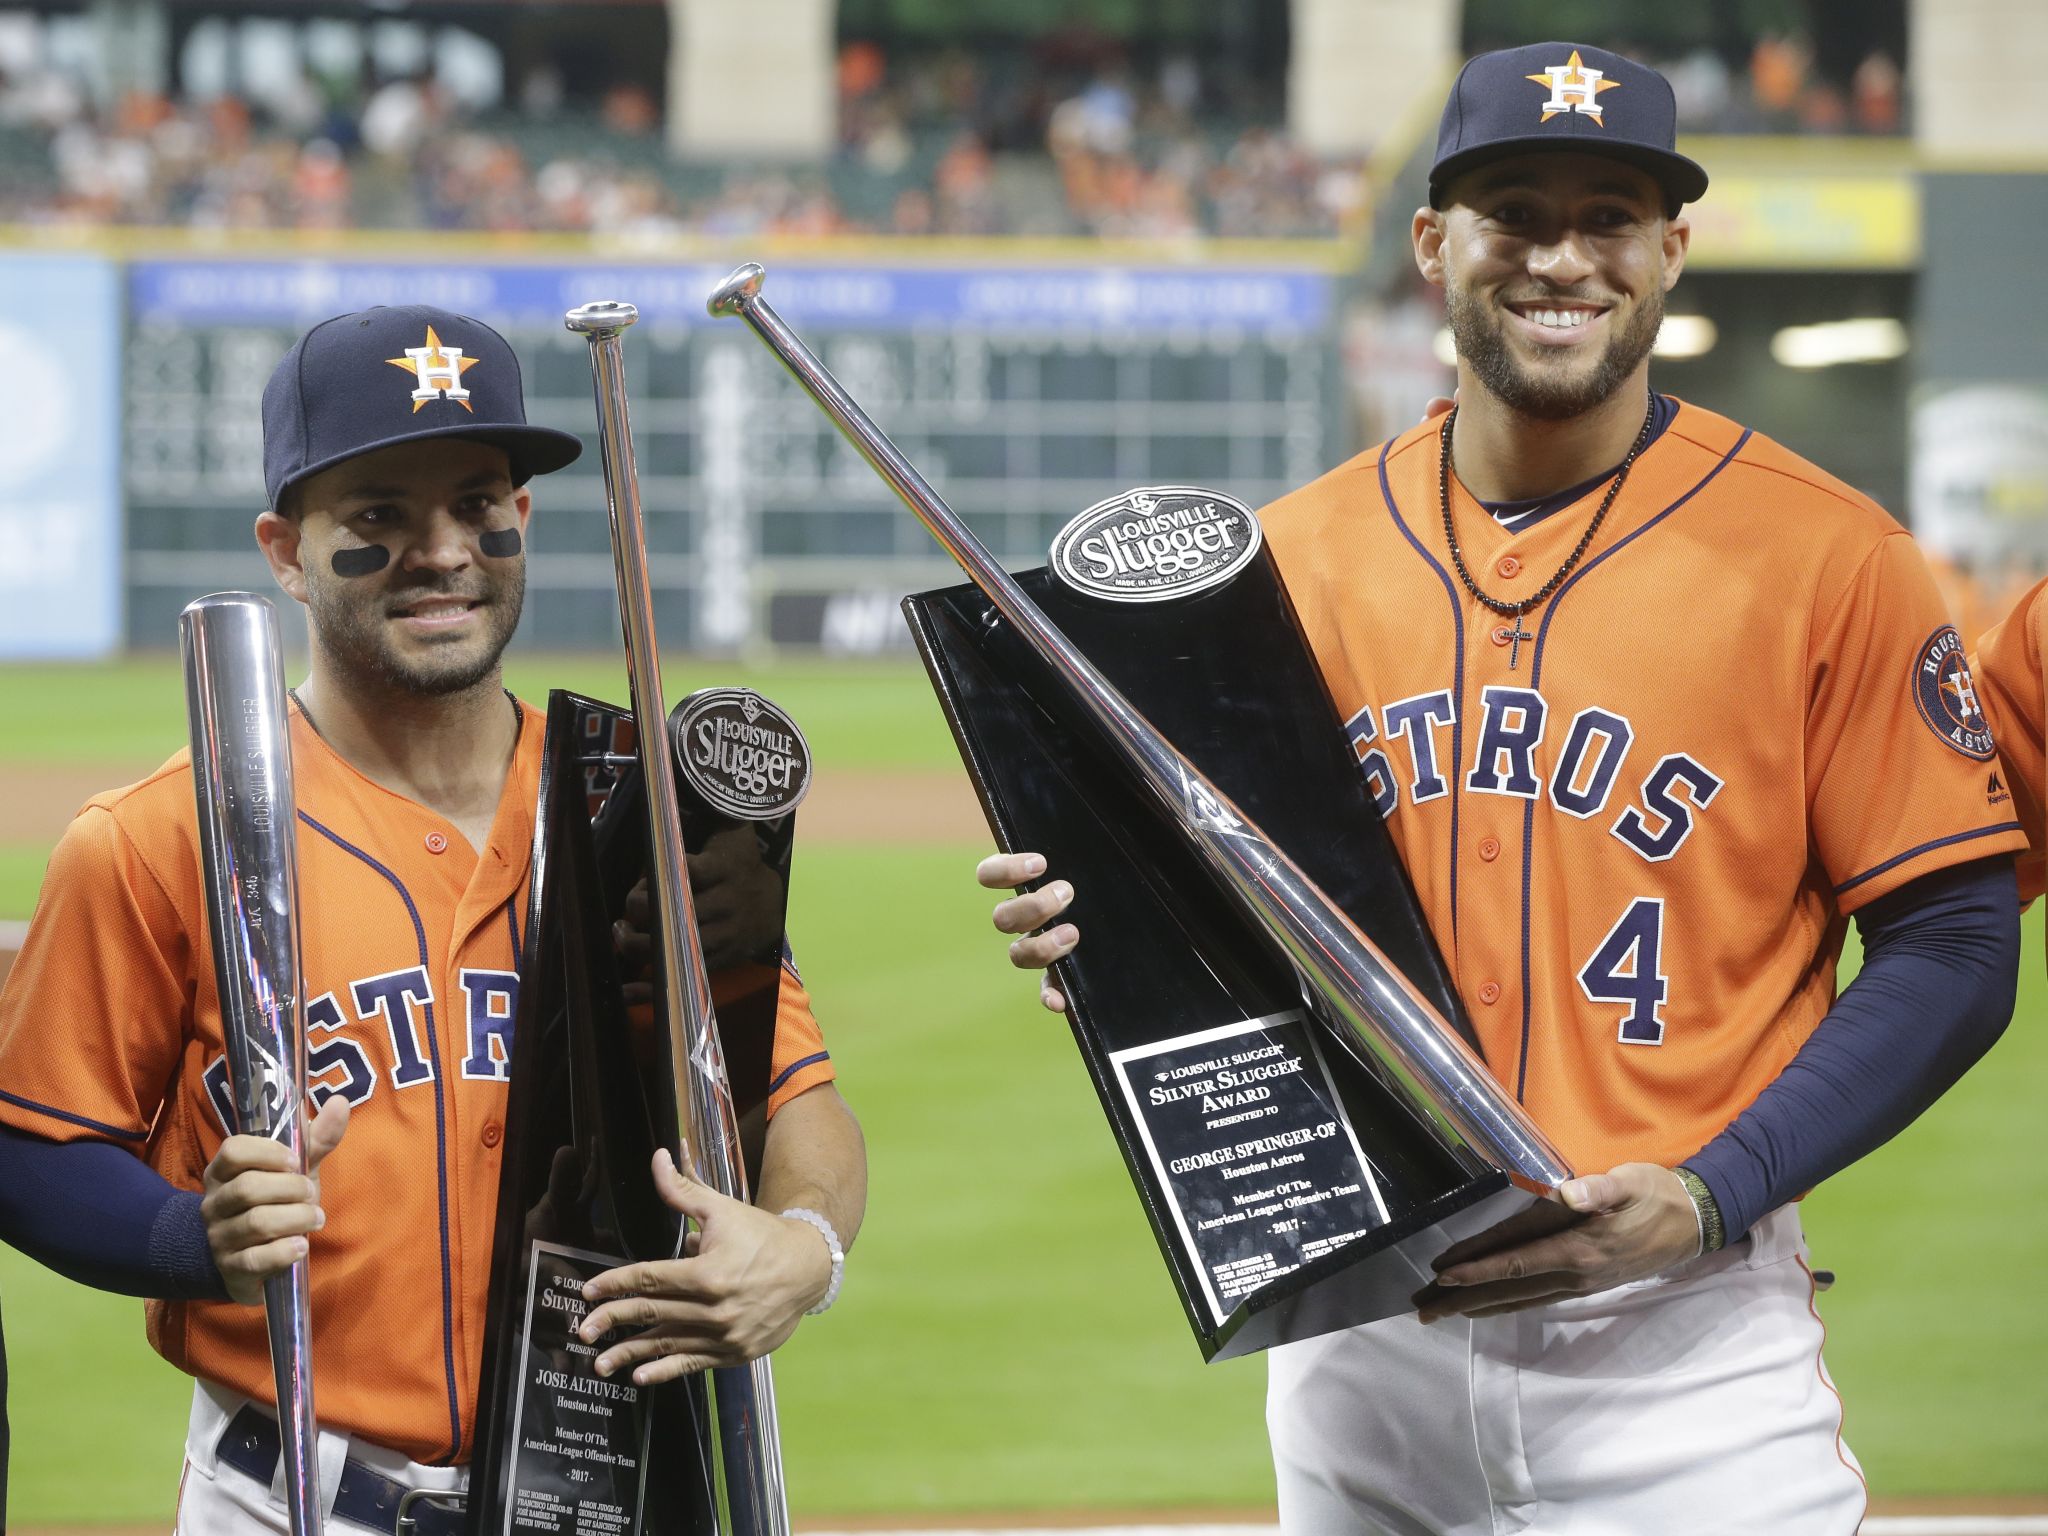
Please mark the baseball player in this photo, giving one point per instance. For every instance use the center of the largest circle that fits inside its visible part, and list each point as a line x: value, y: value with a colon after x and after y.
x: 1651, y: 706
x: 397, y: 459
x: 2012, y: 688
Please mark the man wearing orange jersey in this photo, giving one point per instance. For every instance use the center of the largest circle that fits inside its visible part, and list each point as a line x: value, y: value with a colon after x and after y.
x: 397, y: 458
x: 2012, y: 685
x: 1650, y: 706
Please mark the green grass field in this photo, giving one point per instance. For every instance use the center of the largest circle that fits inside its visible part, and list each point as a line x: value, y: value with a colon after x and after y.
x: 1008, y: 1338
x: 854, y: 714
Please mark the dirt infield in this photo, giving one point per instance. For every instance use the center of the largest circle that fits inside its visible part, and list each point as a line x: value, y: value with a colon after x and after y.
x: 844, y: 805
x: 36, y: 800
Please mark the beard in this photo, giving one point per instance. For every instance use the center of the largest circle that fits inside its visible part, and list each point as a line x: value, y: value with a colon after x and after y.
x: 355, y: 632
x: 1549, y: 390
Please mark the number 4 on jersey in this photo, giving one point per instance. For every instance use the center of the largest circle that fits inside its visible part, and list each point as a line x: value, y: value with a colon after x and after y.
x: 1625, y: 969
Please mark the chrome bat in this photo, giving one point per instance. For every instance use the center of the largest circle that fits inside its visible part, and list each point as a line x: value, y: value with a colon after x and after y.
x: 1344, y: 977
x: 746, y: 1449
x: 248, y: 851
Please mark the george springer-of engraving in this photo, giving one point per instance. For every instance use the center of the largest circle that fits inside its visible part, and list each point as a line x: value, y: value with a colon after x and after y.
x: 1156, y: 542
x: 1261, y: 1165
x: 742, y: 753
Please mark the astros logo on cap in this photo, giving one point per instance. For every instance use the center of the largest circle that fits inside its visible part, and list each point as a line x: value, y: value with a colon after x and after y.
x: 1573, y: 88
x: 440, y: 369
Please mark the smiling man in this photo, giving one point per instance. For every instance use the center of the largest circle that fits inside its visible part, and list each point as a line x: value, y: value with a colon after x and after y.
x: 1651, y: 707
x: 398, y: 461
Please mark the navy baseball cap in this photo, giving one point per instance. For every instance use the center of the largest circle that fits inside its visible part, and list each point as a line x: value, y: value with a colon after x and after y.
x: 361, y: 382
x: 1563, y: 96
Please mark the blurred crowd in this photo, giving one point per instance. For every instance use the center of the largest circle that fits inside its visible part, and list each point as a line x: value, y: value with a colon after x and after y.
x: 1070, y: 137
x: 1780, y: 91
x: 926, y: 148
x: 404, y: 155
x: 1046, y: 141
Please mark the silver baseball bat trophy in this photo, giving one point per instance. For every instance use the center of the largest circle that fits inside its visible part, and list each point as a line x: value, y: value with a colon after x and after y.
x: 618, y: 1052
x: 745, y: 1450
x: 242, y: 781
x: 1339, y: 975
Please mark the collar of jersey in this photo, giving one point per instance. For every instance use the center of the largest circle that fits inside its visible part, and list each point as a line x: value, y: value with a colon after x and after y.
x: 1519, y: 516
x: 519, y: 749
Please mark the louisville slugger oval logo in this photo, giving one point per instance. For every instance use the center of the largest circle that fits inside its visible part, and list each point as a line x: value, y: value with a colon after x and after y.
x: 1155, y: 543
x: 744, y: 755
x: 1947, y: 695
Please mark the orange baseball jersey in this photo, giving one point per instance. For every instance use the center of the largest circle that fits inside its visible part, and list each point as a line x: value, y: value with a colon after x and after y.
x: 2014, y: 689
x: 1742, y: 716
x: 110, y: 1027
x: 1977, y: 598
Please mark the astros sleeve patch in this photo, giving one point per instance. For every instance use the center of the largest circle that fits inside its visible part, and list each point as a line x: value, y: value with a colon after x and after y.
x: 1898, y: 746
x: 1946, y: 694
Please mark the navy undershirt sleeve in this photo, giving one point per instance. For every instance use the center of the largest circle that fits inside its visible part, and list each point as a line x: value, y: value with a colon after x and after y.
x: 100, y: 1215
x: 1940, y: 970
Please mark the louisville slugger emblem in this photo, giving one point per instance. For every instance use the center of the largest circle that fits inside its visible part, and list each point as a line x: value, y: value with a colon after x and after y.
x: 1947, y: 695
x: 1154, y: 543
x: 744, y: 755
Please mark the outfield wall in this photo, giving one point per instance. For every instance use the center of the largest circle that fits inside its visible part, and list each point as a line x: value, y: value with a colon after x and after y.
x: 1024, y: 392
x: 60, y: 488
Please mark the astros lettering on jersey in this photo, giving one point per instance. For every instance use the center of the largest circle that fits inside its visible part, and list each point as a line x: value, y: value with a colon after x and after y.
x: 1745, y: 702
x: 411, y: 943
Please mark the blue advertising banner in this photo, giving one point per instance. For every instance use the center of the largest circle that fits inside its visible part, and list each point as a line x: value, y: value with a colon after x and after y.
x: 60, y: 476
x: 1136, y: 298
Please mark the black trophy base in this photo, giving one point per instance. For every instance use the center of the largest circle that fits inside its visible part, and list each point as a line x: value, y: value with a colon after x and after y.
x: 1378, y: 1276
x: 561, y: 1451
x: 1292, y: 1191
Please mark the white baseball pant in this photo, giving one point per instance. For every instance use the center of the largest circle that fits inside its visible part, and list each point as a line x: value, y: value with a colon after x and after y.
x: 1690, y: 1404
x: 217, y: 1499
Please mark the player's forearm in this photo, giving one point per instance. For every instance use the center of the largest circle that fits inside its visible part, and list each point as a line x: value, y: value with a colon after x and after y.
x: 1941, y: 961
x: 96, y: 1213
x: 815, y: 1158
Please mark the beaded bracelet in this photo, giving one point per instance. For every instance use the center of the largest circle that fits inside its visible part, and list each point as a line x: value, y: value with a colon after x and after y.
x: 813, y: 1218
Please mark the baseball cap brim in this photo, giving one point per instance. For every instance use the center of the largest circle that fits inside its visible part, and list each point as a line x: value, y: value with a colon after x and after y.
x: 1683, y: 180
x: 531, y: 450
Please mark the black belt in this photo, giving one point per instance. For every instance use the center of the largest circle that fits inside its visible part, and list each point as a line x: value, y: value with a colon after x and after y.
x: 364, y: 1496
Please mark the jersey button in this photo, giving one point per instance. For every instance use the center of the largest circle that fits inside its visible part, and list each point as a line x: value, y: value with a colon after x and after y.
x: 492, y: 1133
x: 436, y: 843
x: 1502, y: 634
x: 1489, y: 848
x: 1509, y: 567
x: 1490, y: 993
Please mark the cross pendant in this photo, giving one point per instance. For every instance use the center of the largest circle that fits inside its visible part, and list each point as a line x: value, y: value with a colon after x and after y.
x: 1515, y: 637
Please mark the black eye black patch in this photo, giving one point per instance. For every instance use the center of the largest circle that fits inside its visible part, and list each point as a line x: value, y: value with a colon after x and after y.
x: 367, y: 561
x: 500, y: 543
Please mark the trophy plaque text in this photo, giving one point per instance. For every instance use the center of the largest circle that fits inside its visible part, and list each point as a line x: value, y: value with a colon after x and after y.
x: 1291, y: 1189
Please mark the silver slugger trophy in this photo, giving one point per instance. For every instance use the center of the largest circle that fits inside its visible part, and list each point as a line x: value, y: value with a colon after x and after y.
x: 745, y: 1448
x: 248, y: 851
x: 1436, y: 1105
x: 1339, y: 966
